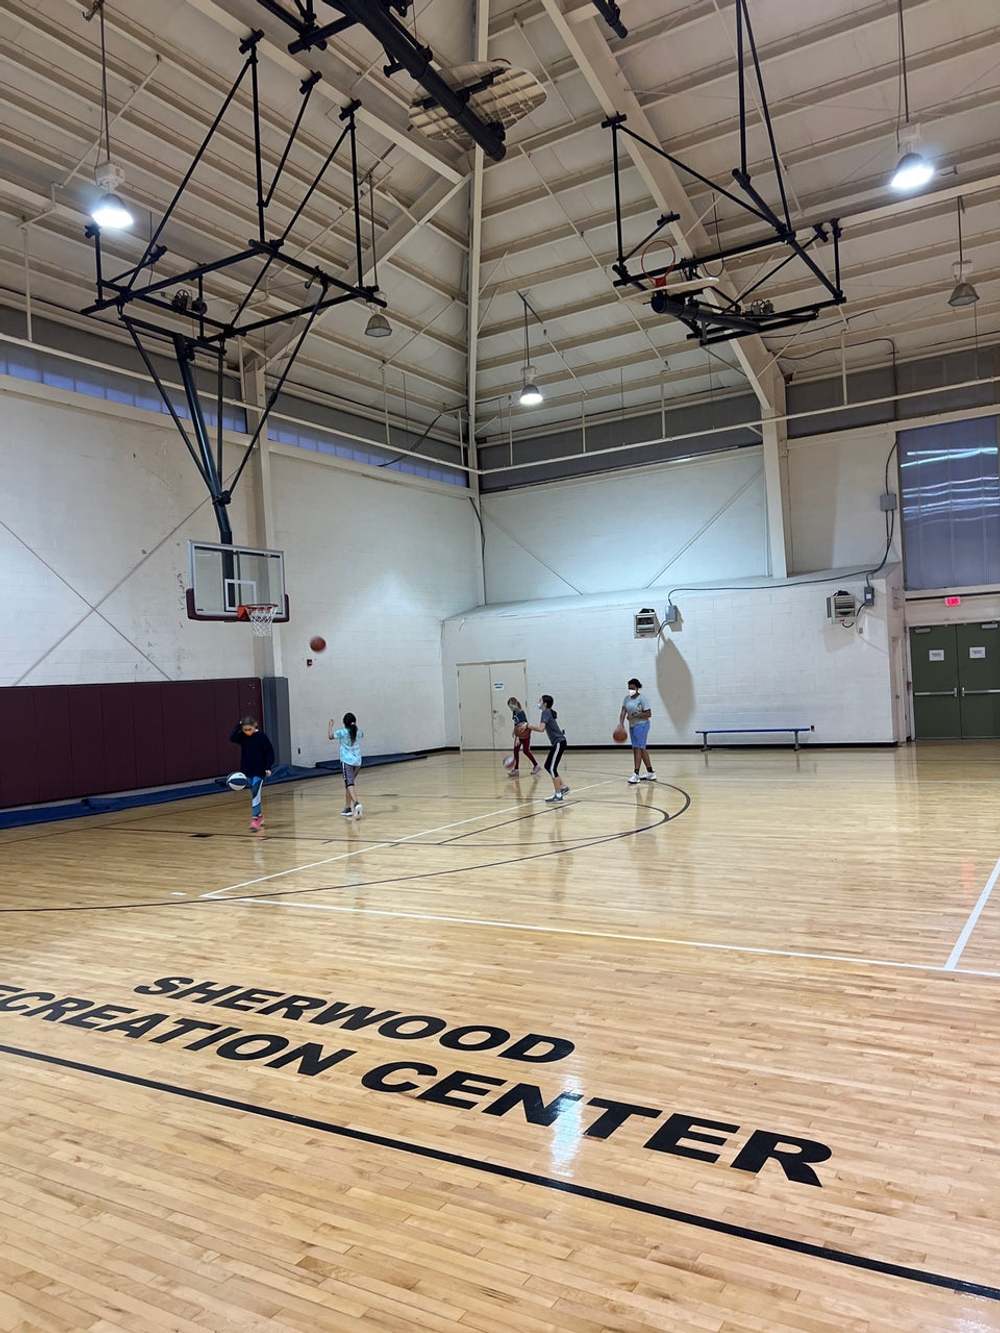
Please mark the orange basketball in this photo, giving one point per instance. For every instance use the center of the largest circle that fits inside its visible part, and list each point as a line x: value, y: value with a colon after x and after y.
x: 522, y: 730
x: 317, y: 643
x: 619, y: 735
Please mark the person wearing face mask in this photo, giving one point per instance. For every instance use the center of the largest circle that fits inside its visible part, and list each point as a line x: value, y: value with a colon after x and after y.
x: 636, y: 711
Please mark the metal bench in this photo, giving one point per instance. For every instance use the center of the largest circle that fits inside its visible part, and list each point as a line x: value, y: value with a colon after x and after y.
x: 705, y: 732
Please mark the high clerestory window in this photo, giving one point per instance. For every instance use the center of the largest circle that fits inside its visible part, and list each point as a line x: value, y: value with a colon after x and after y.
x: 950, y: 484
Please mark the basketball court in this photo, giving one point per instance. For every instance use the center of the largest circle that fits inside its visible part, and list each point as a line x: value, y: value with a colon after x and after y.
x: 374, y: 377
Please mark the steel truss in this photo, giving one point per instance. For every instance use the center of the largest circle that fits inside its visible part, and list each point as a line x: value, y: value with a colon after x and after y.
x: 405, y: 52
x: 153, y: 308
x: 723, y: 318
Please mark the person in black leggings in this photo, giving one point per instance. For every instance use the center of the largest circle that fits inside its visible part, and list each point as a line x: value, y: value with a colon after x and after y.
x: 557, y: 748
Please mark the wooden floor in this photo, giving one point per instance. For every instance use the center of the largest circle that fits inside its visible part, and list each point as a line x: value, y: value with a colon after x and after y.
x: 763, y: 953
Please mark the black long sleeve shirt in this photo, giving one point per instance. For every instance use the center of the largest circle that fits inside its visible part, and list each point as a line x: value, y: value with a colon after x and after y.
x: 256, y: 752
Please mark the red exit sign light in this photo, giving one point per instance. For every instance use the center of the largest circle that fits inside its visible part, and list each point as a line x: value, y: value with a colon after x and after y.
x: 953, y: 601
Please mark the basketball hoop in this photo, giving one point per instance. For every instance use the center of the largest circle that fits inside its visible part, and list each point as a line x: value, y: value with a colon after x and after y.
x: 261, y: 618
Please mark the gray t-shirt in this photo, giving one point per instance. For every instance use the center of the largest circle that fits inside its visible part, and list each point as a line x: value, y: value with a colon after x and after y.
x: 634, y: 706
x: 553, y: 730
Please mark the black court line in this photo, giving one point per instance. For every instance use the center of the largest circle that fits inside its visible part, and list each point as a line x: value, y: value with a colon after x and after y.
x: 411, y: 839
x: 756, y: 1237
x: 665, y: 818
x: 388, y: 842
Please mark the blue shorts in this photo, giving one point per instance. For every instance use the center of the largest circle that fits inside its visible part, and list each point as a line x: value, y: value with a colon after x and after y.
x: 640, y: 734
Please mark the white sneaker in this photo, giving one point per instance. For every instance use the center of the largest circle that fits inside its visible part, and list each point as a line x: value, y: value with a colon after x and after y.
x: 633, y: 779
x: 648, y: 777
x: 347, y: 812
x: 554, y: 799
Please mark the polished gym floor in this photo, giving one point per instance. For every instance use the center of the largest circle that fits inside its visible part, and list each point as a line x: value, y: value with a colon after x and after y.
x: 710, y: 1055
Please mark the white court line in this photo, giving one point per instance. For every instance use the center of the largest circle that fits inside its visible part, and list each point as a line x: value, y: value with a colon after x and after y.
x: 952, y: 964
x: 380, y: 846
x: 609, y: 935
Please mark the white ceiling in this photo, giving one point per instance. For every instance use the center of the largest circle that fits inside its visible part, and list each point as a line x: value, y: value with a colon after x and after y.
x: 831, y: 75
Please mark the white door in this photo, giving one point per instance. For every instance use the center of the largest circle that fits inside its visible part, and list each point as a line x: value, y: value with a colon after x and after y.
x: 483, y: 691
x: 506, y: 679
x: 475, y: 706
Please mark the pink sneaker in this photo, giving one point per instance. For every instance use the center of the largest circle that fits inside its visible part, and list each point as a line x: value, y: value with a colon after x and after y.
x: 256, y: 823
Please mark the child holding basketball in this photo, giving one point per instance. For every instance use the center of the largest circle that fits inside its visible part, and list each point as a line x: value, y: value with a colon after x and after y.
x: 557, y: 748
x: 637, y: 712
x: 522, y: 738
x: 256, y: 758
x: 349, y: 735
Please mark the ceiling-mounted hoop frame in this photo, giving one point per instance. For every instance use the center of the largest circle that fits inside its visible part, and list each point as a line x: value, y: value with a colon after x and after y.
x: 726, y: 318
x: 156, y: 309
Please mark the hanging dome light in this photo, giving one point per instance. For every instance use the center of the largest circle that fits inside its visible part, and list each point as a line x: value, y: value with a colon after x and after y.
x: 109, y: 211
x: 530, y: 395
x: 963, y: 294
x: 912, y: 171
x: 378, y: 326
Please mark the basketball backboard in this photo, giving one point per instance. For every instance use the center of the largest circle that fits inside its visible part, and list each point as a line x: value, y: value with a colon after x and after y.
x: 224, y: 578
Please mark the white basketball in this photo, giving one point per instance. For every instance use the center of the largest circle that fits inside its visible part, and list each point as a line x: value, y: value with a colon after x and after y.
x: 508, y: 761
x: 237, y: 782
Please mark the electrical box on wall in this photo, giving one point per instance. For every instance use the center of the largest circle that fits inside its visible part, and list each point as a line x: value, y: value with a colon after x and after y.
x: 841, y: 606
x: 647, y: 623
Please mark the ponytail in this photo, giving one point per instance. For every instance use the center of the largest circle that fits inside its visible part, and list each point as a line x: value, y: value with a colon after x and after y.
x: 351, y: 723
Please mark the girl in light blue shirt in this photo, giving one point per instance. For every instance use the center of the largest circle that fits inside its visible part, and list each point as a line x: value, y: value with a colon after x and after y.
x: 349, y: 735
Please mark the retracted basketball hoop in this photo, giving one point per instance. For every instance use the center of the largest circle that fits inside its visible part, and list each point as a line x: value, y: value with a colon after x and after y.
x: 261, y: 617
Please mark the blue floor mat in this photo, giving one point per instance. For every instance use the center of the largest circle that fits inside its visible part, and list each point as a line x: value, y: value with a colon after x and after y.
x: 102, y: 805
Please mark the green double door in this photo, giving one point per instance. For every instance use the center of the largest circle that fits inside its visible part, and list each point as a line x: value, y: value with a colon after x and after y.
x: 956, y: 681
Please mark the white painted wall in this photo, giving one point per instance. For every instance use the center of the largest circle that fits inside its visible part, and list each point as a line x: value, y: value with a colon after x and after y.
x: 834, y: 484
x: 97, y: 503
x: 749, y: 657
x: 374, y: 567
x: 671, y: 523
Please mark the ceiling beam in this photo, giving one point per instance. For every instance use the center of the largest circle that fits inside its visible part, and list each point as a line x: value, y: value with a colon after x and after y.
x: 705, y: 136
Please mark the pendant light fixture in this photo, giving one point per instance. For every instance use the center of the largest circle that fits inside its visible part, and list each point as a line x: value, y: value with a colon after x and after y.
x: 378, y: 326
x: 530, y: 395
x: 963, y: 294
x: 109, y: 211
x: 913, y: 169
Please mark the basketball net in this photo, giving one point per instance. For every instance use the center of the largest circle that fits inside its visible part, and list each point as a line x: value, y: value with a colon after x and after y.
x: 261, y: 618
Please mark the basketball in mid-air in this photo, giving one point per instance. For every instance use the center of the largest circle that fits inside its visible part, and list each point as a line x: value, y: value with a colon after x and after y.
x: 508, y: 761
x: 237, y: 781
x: 317, y: 643
x: 619, y: 735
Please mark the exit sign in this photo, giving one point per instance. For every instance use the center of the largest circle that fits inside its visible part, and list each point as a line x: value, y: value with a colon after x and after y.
x: 953, y: 601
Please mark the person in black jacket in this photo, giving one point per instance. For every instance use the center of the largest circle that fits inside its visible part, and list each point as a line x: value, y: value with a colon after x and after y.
x: 256, y: 758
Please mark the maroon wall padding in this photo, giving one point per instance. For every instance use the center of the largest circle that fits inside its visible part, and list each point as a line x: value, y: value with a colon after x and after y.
x: 66, y: 741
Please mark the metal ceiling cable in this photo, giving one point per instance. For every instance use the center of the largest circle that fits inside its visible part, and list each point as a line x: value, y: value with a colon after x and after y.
x: 104, y: 90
